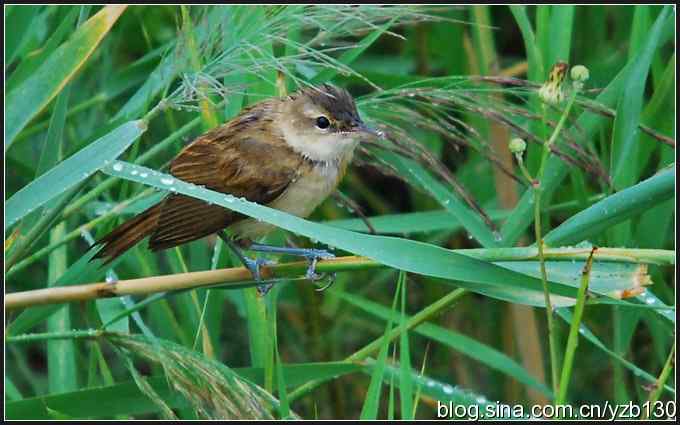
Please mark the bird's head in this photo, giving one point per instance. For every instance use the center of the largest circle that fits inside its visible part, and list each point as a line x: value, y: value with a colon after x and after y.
x: 322, y: 123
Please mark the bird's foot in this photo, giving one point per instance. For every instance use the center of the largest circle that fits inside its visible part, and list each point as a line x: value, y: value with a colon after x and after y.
x: 312, y: 255
x: 254, y: 267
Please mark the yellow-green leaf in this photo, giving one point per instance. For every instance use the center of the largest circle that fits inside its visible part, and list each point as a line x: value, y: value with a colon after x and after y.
x: 23, y: 103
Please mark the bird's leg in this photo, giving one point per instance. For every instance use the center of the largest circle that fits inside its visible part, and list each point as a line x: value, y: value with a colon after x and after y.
x: 252, y: 265
x: 312, y: 255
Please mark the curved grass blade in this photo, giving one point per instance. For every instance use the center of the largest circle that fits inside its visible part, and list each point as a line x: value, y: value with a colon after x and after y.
x: 625, y: 143
x: 614, y: 209
x: 406, y: 375
x: 408, y: 223
x: 72, y: 171
x: 34, y: 93
x: 403, y: 254
x: 371, y: 404
x: 19, y: 20
x: 459, y: 342
x: 470, y: 219
x: 566, y: 315
x: 300, y: 373
x: 452, y: 396
x: 536, y: 64
x: 609, y: 278
x: 100, y: 402
x: 29, y: 64
x: 125, y: 398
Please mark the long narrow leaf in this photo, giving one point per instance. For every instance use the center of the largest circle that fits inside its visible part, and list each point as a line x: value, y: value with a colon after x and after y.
x: 23, y: 103
x: 403, y: 254
x: 72, y: 171
x: 614, y: 209
x: 457, y: 341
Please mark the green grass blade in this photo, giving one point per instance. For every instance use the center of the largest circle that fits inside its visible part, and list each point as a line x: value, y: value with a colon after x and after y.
x: 19, y: 20
x: 561, y: 27
x: 99, y: 402
x: 420, y: 177
x: 29, y: 64
x: 72, y: 171
x: 614, y: 209
x: 405, y: 376
x: 403, y: 254
x: 31, y: 96
x: 284, y: 408
x: 566, y: 315
x: 625, y: 143
x: 371, y: 404
x: 536, y: 63
x: 12, y: 393
x: 408, y: 223
x: 451, y: 396
x: 301, y: 373
x: 125, y: 398
x: 459, y: 342
x: 61, y: 354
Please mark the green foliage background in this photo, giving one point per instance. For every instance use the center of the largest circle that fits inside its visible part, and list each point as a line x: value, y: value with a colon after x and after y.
x: 91, y: 78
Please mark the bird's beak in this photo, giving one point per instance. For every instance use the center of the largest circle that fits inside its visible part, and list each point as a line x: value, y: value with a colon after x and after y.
x: 363, y: 128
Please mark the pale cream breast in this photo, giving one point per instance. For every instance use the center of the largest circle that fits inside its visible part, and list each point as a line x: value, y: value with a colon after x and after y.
x: 301, y: 197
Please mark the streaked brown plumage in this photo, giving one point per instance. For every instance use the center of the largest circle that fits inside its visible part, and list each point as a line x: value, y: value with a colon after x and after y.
x: 274, y: 153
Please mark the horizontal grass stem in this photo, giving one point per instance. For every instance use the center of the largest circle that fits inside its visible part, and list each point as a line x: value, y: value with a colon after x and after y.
x: 240, y: 277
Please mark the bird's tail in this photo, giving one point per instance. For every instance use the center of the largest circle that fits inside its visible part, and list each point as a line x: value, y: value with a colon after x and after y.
x: 127, y: 234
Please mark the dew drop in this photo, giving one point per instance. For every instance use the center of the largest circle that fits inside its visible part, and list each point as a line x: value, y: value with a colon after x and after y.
x: 448, y: 389
x: 167, y: 180
x: 134, y: 172
x: 118, y: 167
x: 143, y: 175
x: 497, y: 236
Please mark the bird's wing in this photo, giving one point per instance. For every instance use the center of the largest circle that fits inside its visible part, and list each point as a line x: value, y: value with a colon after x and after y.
x: 246, y: 164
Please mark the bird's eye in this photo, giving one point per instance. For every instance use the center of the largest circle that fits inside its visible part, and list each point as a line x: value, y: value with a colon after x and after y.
x: 322, y: 122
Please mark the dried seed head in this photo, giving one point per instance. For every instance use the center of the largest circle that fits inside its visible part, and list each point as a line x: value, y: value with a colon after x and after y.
x: 551, y: 91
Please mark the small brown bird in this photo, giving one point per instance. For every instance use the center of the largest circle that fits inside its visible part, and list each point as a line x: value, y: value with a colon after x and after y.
x: 287, y: 153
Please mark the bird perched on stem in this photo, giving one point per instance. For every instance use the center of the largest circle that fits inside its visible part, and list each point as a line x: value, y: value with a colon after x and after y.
x: 287, y: 153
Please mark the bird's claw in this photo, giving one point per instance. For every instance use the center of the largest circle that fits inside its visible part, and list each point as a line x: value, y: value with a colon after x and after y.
x: 314, y: 256
x: 331, y: 281
x: 254, y: 267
